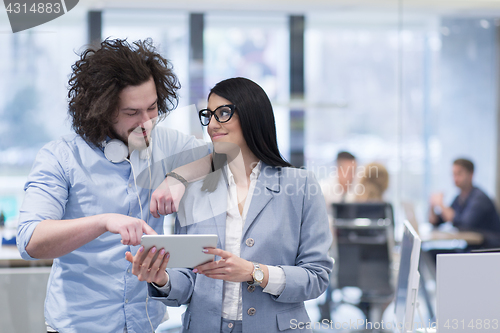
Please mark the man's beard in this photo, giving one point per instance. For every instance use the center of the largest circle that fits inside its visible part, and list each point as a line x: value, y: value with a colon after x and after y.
x: 134, y: 142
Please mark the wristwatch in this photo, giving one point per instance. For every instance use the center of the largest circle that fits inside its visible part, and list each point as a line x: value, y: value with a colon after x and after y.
x: 257, y: 274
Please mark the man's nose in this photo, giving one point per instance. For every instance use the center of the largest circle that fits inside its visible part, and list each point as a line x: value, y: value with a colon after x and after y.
x: 145, y: 118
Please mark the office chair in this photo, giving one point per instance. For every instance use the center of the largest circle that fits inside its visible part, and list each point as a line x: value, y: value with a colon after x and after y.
x: 364, y: 235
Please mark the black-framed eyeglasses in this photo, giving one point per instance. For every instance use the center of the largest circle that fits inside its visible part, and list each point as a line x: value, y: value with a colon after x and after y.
x: 222, y: 114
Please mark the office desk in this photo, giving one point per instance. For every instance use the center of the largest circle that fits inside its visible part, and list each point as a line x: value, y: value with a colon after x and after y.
x: 438, y: 241
x: 22, y: 297
x: 23, y: 285
x: 471, y: 237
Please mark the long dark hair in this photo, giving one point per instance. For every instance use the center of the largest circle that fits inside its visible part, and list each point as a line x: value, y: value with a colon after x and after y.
x: 257, y: 123
x: 256, y: 117
x: 103, y: 72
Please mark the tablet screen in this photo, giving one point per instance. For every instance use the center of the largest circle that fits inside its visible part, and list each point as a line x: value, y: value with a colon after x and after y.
x: 185, y: 250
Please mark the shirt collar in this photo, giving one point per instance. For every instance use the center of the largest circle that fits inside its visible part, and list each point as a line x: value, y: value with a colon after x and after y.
x: 253, y: 176
x: 256, y: 171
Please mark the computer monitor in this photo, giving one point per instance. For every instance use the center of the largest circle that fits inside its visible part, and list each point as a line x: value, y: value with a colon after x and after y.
x: 467, y: 292
x: 408, y: 281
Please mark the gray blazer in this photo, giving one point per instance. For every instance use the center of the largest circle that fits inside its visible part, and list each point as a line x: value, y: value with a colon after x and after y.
x: 286, y: 226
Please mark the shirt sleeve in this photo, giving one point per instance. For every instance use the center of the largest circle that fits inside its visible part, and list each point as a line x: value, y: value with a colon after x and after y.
x: 46, y: 194
x: 187, y: 148
x: 166, y: 288
x: 276, y: 281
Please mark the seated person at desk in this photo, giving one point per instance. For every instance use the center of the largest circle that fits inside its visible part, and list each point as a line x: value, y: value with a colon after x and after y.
x: 373, y: 183
x: 472, y: 209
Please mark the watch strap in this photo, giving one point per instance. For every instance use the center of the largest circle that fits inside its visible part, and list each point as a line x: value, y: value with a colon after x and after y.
x: 178, y: 177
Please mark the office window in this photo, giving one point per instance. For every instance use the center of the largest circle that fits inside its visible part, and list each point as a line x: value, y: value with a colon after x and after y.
x: 34, y: 67
x: 410, y: 98
x: 351, y: 90
x: 463, y: 101
x: 235, y: 46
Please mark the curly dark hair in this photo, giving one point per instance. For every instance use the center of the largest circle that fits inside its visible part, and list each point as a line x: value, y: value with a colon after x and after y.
x: 103, y: 72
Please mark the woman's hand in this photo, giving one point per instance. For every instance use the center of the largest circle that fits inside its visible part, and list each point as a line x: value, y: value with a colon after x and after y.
x: 148, y: 270
x: 229, y: 268
x: 165, y: 199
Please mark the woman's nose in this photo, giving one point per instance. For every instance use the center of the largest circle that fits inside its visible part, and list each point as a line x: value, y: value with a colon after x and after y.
x: 213, y: 124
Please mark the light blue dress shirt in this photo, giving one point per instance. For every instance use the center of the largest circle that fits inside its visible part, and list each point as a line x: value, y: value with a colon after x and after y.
x: 92, y: 288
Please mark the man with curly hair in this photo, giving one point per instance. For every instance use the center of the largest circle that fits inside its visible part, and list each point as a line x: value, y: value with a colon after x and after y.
x: 88, y: 194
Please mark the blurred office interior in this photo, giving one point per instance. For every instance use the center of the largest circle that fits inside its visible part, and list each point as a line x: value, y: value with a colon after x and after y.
x: 411, y: 84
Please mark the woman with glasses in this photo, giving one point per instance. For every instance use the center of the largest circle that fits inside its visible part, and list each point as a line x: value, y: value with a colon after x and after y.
x: 271, y: 221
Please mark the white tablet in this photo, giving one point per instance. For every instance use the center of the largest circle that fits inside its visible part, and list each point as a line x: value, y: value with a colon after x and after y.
x: 185, y: 250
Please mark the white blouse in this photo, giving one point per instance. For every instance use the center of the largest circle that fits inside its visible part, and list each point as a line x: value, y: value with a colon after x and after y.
x: 232, y: 300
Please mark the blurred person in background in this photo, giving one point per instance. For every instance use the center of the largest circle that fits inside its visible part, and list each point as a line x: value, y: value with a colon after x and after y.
x: 471, y: 210
x: 339, y: 186
x: 373, y: 184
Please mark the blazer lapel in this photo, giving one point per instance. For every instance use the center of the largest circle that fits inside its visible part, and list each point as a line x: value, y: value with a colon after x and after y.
x: 218, y: 204
x: 267, y: 185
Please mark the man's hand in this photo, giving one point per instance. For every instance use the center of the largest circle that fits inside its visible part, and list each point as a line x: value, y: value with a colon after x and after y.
x: 165, y: 199
x: 130, y: 228
x: 437, y: 200
x: 148, y: 270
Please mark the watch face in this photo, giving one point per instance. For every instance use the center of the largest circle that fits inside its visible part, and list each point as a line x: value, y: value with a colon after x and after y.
x: 259, y: 275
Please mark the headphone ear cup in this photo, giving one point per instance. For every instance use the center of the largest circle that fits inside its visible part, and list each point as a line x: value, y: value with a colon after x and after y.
x: 116, y: 151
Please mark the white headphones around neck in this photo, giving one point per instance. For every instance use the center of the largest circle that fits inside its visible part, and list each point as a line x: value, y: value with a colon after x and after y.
x: 115, y: 150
